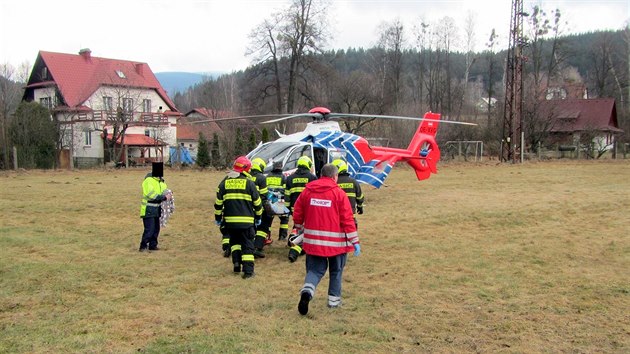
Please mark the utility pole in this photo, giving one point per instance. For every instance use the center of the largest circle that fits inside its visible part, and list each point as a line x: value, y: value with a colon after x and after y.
x: 512, y: 142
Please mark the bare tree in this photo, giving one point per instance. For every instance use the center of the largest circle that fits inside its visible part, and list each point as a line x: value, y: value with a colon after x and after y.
x: 390, y: 46
x: 469, y: 56
x: 303, y: 30
x: 264, y: 47
x: 11, y: 80
x: 420, y: 35
x: 545, y: 57
x: 126, y: 104
x: 354, y: 94
x: 491, y: 56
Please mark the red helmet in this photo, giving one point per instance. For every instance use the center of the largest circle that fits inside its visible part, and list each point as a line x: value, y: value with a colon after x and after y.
x: 242, y: 164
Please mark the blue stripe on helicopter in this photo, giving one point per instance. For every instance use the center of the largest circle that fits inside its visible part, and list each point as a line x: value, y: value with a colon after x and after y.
x: 368, y: 174
x: 345, y: 141
x: 340, y: 140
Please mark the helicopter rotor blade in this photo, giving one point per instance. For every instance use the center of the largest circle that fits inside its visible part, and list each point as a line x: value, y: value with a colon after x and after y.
x: 299, y: 115
x: 234, y: 118
x: 376, y: 116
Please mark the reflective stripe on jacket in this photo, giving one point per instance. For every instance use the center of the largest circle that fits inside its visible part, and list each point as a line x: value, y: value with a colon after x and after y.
x: 295, y: 184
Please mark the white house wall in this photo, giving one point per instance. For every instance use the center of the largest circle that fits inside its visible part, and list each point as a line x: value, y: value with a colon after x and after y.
x: 83, y: 149
x: 95, y: 101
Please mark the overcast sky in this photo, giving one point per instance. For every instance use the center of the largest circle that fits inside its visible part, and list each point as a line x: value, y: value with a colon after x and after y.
x: 212, y: 35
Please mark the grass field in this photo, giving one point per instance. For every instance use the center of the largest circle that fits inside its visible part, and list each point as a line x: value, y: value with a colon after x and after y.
x: 480, y: 258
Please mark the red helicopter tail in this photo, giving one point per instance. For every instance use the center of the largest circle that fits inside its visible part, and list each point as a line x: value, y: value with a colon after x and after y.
x: 424, y: 150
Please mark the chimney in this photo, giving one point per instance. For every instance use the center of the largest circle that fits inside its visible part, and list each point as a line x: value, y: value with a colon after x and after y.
x: 86, y: 53
x: 140, y: 69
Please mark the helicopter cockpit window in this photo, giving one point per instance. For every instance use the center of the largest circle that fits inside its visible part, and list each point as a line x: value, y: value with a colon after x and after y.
x: 272, y: 151
x: 336, y: 154
x: 295, y: 155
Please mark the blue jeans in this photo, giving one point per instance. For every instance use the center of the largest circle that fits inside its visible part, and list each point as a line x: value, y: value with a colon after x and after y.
x: 316, y: 268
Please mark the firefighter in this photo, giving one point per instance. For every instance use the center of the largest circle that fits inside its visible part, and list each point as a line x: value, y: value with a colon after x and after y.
x: 262, y: 231
x: 350, y: 186
x: 238, y: 204
x: 296, y: 183
x: 276, y: 184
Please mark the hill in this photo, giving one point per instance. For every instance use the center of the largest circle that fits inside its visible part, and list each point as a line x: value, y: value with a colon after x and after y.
x: 180, y: 81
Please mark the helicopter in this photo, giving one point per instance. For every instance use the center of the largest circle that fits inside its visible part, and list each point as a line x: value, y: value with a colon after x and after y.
x: 324, y: 141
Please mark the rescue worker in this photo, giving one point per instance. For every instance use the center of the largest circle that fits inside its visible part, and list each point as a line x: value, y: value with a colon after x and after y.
x: 238, y: 204
x: 295, y: 184
x: 324, y: 215
x: 262, y: 230
x: 350, y: 186
x: 153, y: 194
x: 276, y: 184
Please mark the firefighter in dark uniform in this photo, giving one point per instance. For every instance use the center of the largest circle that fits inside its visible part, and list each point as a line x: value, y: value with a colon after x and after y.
x: 276, y: 184
x: 350, y: 186
x: 238, y: 204
x: 296, y: 183
x: 262, y: 230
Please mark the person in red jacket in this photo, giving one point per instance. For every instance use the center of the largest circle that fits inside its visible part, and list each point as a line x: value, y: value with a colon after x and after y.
x: 324, y: 215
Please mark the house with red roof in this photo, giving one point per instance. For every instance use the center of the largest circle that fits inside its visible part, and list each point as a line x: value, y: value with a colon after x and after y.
x: 591, y: 122
x: 107, y: 110
x: 199, y: 120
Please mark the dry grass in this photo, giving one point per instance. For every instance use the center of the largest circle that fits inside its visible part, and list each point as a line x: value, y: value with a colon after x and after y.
x: 479, y: 258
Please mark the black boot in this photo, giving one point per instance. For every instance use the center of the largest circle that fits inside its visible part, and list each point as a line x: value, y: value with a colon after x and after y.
x: 293, y: 255
x: 259, y: 253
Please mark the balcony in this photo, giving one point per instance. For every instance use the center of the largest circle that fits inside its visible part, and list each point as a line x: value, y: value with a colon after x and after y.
x: 132, y: 118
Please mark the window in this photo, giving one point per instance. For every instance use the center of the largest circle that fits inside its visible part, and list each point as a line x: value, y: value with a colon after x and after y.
x: 108, y: 103
x: 46, y: 102
x: 304, y: 150
x: 147, y: 132
x: 146, y: 106
x: 44, y: 73
x: 88, y: 137
x: 127, y: 105
x: 120, y: 74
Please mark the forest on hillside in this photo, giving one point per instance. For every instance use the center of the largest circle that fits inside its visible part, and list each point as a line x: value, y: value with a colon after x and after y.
x: 413, y: 70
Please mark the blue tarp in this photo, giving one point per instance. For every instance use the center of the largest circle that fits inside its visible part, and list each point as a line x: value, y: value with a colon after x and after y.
x: 183, y: 158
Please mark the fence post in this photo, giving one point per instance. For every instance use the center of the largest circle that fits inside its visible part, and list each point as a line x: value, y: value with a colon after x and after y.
x: 15, y: 159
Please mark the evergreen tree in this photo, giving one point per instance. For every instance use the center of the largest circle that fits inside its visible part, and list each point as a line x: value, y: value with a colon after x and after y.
x: 34, y: 134
x: 252, y: 141
x: 239, y: 143
x: 215, y: 152
x: 203, y: 154
x: 265, y: 135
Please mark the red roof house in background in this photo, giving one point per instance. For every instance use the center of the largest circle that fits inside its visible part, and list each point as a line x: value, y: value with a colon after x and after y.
x: 198, y: 120
x: 91, y: 96
x: 575, y: 121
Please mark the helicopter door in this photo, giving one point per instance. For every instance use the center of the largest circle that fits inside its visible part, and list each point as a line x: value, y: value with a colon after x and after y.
x: 320, y: 159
